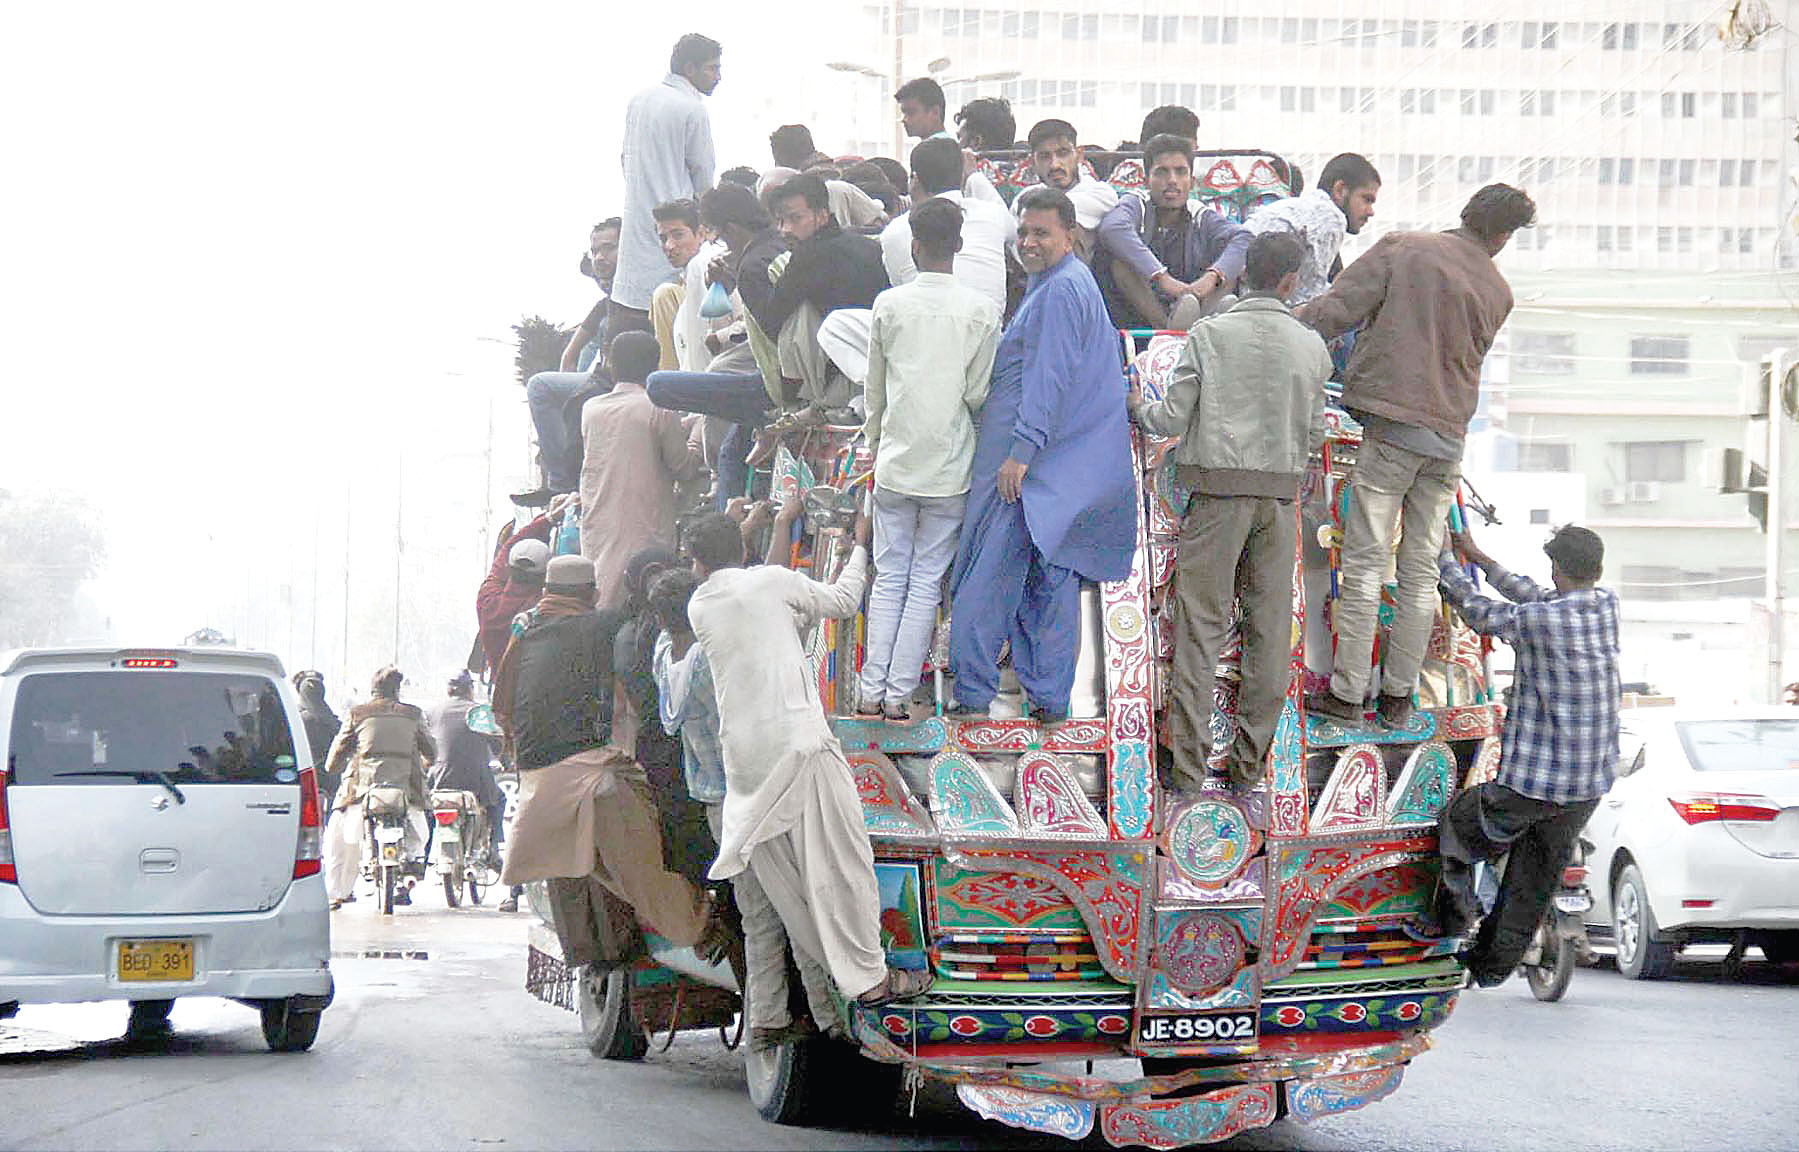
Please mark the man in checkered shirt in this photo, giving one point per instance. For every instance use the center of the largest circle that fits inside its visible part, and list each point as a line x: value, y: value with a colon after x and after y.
x: 1559, y: 745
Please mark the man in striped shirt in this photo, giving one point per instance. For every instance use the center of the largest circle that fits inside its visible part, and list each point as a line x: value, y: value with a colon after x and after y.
x: 1558, y: 747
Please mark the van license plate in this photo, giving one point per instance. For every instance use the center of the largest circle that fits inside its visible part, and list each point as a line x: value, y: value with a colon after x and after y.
x: 156, y: 961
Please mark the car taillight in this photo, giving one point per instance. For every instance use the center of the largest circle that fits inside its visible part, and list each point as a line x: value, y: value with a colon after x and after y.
x: 309, y: 845
x: 1701, y: 807
x: 1573, y: 876
x: 9, y: 872
x: 447, y: 816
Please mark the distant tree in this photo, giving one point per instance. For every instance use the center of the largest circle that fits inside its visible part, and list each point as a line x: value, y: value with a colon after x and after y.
x: 50, y: 544
x: 540, y: 345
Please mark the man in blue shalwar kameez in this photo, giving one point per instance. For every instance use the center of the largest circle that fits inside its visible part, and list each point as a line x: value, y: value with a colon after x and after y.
x: 1052, y: 499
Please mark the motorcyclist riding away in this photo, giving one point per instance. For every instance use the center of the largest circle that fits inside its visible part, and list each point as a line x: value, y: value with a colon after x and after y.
x: 464, y: 760
x: 383, y: 744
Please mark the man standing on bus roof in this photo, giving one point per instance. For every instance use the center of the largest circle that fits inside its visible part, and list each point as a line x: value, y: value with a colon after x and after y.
x: 1432, y: 303
x: 667, y: 156
x: 1052, y: 499
x: 1247, y: 401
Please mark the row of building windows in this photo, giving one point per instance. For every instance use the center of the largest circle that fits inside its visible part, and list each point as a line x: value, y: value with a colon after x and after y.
x: 1543, y: 102
x: 1607, y: 171
x: 1621, y: 239
x: 1544, y: 353
x: 1547, y: 35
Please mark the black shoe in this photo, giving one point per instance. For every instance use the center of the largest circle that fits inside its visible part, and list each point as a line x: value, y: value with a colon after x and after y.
x: 1395, y: 711
x: 510, y: 904
x: 1049, y: 717
x: 1327, y: 705
x: 402, y: 896
x: 536, y: 498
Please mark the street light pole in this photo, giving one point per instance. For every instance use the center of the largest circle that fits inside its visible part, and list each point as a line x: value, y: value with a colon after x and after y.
x: 899, y: 77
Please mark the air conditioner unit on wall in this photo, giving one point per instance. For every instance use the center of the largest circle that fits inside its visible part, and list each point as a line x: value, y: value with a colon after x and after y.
x: 1642, y: 492
x: 1611, y: 497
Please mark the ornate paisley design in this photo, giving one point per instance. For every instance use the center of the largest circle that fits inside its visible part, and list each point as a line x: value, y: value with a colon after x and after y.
x: 1056, y: 1116
x: 1422, y: 790
x: 1307, y: 1100
x: 1486, y: 764
x: 965, y: 802
x: 1353, y: 796
x: 888, y: 807
x: 1050, y: 802
x: 922, y: 737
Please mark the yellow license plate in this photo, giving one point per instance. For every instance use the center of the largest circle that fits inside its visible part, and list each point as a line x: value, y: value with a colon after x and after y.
x: 156, y: 961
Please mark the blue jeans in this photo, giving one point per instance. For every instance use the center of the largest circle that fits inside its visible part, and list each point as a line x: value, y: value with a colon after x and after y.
x: 736, y: 396
x: 548, y: 394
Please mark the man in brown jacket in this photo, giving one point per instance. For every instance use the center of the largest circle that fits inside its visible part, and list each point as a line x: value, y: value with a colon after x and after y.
x: 1432, y: 303
x: 383, y: 744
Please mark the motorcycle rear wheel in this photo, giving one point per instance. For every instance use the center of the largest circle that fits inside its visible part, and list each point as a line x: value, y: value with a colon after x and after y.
x: 385, y: 890
x: 452, y: 889
x: 1549, y: 977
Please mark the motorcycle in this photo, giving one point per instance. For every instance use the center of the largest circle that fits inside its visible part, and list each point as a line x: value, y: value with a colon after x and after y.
x: 386, y: 811
x: 1561, y: 939
x: 461, y: 852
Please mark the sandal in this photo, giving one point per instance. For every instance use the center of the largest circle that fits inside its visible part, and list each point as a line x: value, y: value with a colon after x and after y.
x: 900, y: 984
x: 869, y: 710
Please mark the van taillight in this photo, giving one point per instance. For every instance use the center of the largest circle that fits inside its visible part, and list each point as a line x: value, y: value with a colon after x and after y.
x: 309, y: 845
x: 9, y: 872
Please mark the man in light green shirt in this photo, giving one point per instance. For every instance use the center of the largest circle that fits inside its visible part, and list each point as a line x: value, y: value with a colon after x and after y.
x: 930, y: 355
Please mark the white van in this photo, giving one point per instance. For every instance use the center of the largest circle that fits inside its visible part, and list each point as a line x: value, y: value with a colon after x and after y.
x: 160, y: 834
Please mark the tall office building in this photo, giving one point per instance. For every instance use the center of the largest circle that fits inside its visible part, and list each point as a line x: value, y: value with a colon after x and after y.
x: 1660, y: 153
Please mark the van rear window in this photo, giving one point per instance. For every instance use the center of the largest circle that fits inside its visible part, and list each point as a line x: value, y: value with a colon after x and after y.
x: 112, y: 727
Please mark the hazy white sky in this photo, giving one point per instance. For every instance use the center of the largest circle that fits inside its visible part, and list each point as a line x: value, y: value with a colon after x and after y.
x: 252, y: 253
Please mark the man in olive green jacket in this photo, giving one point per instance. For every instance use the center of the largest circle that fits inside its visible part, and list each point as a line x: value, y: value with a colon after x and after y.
x: 1247, y: 400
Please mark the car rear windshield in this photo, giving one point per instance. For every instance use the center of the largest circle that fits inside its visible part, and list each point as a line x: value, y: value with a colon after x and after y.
x: 1741, y: 745
x: 112, y: 727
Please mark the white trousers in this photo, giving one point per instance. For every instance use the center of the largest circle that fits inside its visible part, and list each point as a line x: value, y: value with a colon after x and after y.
x: 820, y: 876
x: 343, y: 852
x: 915, y: 541
x: 844, y: 337
x: 765, y: 955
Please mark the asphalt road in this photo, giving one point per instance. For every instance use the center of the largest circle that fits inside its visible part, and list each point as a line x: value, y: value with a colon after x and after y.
x: 433, y: 1044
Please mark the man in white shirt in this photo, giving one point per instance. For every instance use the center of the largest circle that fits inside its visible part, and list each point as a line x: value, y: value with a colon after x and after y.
x: 930, y: 356
x: 1056, y: 158
x: 989, y: 233
x: 666, y: 155
x: 791, y: 812
x: 1339, y: 206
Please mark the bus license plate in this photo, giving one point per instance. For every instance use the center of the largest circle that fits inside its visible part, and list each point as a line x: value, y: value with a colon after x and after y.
x: 156, y: 961
x: 1198, y: 1028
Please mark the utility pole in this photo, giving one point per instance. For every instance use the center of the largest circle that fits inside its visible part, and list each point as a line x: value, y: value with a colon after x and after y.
x: 399, y: 542
x: 1774, y: 379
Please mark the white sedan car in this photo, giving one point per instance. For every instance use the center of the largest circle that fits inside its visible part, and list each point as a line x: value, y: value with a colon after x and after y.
x: 1698, y: 839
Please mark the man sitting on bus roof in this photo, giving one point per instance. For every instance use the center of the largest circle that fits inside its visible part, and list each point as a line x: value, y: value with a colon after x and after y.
x: 1164, y: 261
x: 1056, y: 160
x: 1339, y: 206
